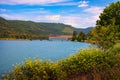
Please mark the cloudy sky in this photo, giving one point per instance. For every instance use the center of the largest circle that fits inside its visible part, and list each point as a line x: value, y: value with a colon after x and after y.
x: 78, y: 13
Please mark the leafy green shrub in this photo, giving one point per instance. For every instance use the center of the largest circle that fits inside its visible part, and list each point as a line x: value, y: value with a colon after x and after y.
x: 89, y: 61
x: 115, y: 49
x: 34, y: 70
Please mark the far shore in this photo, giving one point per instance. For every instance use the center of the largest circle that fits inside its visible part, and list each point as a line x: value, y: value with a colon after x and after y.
x: 59, y: 37
x: 12, y: 39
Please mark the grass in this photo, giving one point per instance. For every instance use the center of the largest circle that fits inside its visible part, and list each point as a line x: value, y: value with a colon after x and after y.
x: 87, y: 64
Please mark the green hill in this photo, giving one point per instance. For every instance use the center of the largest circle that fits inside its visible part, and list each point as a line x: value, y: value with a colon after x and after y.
x: 28, y: 29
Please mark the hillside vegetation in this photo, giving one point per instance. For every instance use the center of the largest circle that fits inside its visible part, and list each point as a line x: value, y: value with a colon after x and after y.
x: 28, y: 29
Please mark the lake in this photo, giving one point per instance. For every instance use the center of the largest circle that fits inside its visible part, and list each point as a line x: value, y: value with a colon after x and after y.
x: 16, y: 51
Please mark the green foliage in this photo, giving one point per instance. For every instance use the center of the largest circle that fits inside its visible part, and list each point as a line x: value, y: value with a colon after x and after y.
x: 81, y: 36
x: 67, y: 30
x: 87, y: 62
x: 115, y: 49
x: 34, y: 70
x: 107, y: 30
x: 75, y: 34
x: 104, y: 37
x: 111, y: 12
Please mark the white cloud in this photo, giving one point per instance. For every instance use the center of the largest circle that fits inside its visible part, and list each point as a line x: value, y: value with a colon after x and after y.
x: 14, y: 17
x: 30, y: 2
x: 94, y: 10
x: 70, y: 20
x: 83, y: 4
x: 84, y: 20
x: 35, y: 11
x: 65, y: 4
x: 3, y: 10
x: 79, y: 21
x: 52, y: 17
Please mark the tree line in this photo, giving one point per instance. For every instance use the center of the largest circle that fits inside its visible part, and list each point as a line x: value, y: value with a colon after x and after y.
x: 81, y: 37
x: 22, y: 36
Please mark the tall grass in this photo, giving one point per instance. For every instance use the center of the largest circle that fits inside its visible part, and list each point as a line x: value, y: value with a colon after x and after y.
x: 87, y: 64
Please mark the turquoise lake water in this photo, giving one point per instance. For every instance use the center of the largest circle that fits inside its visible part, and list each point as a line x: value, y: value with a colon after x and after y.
x: 15, y: 51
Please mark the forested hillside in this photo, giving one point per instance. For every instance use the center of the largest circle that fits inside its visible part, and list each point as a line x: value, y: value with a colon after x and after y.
x: 28, y: 29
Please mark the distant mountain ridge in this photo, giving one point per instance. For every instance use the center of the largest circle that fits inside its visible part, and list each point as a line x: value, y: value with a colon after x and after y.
x: 20, y: 27
x: 85, y: 30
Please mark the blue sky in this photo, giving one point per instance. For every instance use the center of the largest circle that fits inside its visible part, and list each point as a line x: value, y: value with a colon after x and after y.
x: 78, y: 13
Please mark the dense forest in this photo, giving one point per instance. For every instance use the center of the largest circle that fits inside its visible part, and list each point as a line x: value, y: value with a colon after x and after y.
x: 18, y: 29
